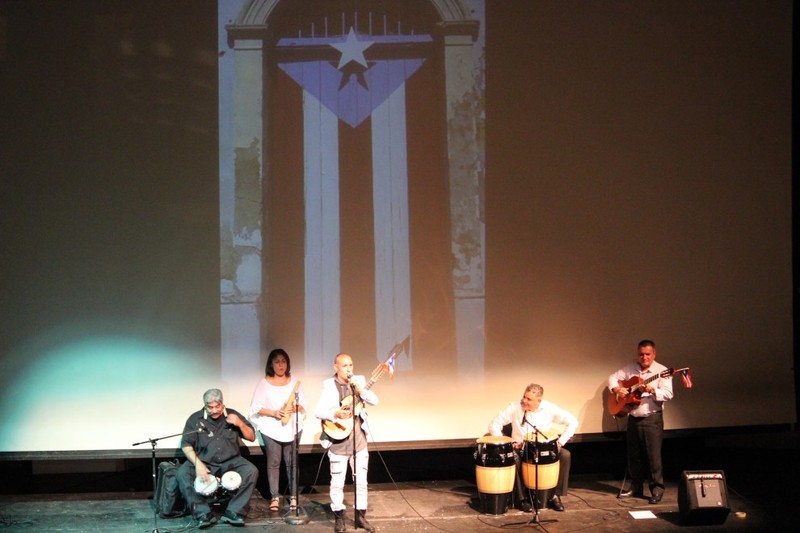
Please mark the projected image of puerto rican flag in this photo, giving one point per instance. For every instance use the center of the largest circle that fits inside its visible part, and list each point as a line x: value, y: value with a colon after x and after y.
x: 355, y: 120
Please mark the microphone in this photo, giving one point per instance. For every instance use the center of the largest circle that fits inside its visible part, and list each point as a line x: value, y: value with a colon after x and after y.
x: 203, y: 428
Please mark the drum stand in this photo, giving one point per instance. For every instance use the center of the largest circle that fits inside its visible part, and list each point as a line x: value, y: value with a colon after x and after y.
x: 153, y: 462
x: 296, y: 519
x: 535, y: 499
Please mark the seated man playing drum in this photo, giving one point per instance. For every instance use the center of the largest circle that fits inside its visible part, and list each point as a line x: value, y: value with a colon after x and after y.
x: 211, y: 445
x: 533, y: 423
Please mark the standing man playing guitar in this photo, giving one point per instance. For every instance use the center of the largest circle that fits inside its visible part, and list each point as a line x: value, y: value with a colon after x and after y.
x: 635, y: 386
x: 342, y: 396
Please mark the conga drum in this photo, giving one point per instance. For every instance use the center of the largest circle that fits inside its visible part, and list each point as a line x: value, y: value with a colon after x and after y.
x: 494, y: 473
x: 540, y: 465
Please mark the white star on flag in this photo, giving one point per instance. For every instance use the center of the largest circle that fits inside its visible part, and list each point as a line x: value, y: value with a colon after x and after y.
x: 352, y: 50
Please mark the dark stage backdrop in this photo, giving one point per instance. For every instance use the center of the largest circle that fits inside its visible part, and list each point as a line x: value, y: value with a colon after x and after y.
x: 637, y: 184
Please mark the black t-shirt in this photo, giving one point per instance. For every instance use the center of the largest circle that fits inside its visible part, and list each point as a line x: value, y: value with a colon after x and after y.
x: 219, y: 442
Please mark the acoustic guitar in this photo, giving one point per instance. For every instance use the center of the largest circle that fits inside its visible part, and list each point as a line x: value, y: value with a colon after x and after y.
x: 635, y: 385
x: 341, y: 428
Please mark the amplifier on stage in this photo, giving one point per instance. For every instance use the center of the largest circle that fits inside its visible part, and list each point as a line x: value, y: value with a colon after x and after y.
x: 703, y: 497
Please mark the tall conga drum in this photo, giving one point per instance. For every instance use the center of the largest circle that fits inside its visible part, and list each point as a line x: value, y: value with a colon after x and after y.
x: 494, y: 473
x: 540, y: 465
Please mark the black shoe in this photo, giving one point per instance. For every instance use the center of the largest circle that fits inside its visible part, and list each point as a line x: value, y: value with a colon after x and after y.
x: 525, y: 506
x: 555, y: 503
x: 229, y: 517
x: 632, y: 492
x: 340, y: 524
x: 361, y: 521
x: 205, y: 520
x: 658, y: 493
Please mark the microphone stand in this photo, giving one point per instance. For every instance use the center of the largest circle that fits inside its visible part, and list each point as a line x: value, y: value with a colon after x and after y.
x: 153, y: 463
x: 296, y: 520
x: 355, y: 470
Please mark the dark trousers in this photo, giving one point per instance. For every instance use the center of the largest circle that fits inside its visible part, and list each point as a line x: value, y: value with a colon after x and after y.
x: 274, y: 451
x: 645, y: 435
x: 523, y: 493
x: 240, y: 499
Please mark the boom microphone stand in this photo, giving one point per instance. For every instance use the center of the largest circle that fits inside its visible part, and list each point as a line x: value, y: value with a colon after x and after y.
x: 153, y: 462
x: 535, y: 518
x: 296, y: 520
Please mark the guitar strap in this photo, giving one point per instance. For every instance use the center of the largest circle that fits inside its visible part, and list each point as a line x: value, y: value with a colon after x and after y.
x: 344, y: 390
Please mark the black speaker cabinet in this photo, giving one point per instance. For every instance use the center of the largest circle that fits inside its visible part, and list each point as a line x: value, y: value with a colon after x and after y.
x: 703, y: 497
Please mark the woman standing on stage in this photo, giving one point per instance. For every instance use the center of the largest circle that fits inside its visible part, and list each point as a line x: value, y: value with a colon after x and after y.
x: 272, y: 411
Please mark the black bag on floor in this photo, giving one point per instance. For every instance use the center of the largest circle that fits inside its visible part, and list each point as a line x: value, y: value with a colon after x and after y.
x: 168, y: 499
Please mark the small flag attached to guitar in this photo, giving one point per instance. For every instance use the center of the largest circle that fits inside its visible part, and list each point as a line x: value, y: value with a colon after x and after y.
x: 401, y: 347
x: 686, y: 377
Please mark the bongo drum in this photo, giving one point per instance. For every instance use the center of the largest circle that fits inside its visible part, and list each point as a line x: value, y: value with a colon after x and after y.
x: 231, y: 481
x: 206, y: 488
x: 545, y: 456
x: 494, y: 472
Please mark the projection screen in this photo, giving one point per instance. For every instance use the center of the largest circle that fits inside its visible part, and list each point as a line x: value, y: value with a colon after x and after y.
x: 500, y: 192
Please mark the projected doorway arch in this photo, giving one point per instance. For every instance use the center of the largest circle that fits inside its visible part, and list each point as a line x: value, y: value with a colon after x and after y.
x: 351, y: 183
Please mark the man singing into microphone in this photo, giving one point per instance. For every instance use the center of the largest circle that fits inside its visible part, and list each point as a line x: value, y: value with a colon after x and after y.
x: 211, y: 445
x: 532, y: 419
x: 345, y: 436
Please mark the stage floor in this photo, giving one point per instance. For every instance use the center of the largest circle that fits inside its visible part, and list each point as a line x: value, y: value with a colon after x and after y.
x: 449, y: 506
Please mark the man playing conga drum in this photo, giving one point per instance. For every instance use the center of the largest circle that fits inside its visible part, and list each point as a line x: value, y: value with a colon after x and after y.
x: 534, y: 419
